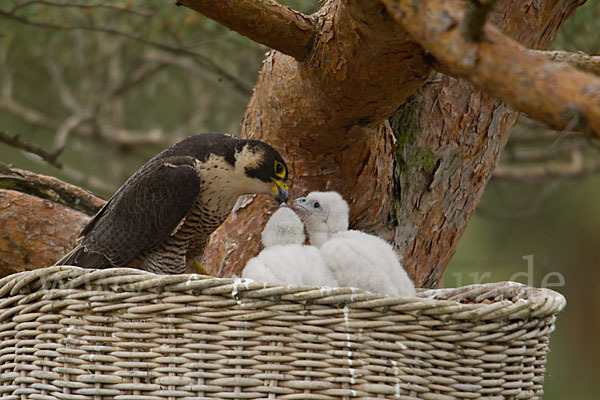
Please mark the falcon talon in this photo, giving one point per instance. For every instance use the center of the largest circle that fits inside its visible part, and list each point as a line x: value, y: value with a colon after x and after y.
x: 165, y: 212
x: 199, y: 268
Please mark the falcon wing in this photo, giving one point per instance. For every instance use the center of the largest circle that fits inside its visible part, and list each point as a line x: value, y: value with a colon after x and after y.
x: 145, y: 211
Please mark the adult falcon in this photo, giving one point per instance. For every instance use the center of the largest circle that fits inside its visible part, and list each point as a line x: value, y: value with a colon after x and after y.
x: 163, y: 215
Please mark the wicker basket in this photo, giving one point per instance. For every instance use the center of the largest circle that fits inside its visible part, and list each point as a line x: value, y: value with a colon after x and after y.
x: 70, y: 333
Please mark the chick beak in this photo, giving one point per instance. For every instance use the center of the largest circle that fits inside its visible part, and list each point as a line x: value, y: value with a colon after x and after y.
x: 297, y: 204
x: 279, y: 190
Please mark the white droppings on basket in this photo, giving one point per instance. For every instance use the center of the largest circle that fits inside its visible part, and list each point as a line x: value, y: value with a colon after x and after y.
x: 354, y: 290
x: 397, y: 374
x: 192, y: 277
x: 352, y: 374
x: 69, y: 330
x: 346, y: 311
x: 237, y: 282
x: 402, y: 345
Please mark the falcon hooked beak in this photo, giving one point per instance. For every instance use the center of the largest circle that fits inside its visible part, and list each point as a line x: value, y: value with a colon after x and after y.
x: 280, y: 190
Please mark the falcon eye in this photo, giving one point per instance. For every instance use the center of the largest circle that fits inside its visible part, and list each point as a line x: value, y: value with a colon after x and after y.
x: 316, y: 205
x: 279, y: 169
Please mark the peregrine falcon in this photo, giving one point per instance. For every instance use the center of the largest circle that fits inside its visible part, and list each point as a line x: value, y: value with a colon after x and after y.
x: 163, y: 215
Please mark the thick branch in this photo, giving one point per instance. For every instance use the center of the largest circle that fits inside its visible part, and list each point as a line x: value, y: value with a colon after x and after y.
x: 550, y: 92
x: 581, y: 61
x: 327, y: 116
x: 49, y: 188
x: 264, y: 21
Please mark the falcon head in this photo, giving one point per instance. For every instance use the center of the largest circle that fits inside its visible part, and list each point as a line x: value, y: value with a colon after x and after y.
x: 262, y: 169
x: 252, y: 165
x: 325, y: 212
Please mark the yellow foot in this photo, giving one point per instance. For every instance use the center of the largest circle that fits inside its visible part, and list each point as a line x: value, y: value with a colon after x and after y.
x: 198, y: 268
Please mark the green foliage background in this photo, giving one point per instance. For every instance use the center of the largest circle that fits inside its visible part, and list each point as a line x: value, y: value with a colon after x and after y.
x: 555, y: 223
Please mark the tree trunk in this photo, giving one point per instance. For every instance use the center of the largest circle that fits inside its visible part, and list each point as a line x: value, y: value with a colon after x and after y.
x: 416, y: 184
x: 35, y: 232
x: 353, y: 106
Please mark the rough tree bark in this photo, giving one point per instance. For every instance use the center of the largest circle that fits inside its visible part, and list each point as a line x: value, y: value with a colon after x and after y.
x: 417, y: 184
x: 350, y: 99
x: 40, y: 218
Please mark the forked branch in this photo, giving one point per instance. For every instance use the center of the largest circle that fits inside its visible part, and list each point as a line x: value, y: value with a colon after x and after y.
x: 553, y: 93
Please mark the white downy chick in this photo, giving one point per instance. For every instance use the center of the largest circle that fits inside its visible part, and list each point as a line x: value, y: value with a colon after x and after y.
x: 285, y: 259
x: 356, y: 258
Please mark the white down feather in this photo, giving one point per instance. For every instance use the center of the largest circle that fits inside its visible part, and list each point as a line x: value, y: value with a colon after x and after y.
x: 355, y: 258
x: 285, y: 259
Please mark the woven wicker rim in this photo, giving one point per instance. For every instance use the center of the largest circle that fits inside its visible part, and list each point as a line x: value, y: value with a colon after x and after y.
x: 486, y: 302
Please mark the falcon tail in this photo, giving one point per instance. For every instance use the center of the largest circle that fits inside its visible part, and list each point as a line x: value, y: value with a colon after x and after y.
x: 81, y: 257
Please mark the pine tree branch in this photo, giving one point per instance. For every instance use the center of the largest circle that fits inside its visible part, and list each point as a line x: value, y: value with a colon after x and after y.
x: 575, y: 167
x: 15, y: 141
x: 264, y: 21
x: 49, y: 188
x: 553, y: 93
x: 581, y: 61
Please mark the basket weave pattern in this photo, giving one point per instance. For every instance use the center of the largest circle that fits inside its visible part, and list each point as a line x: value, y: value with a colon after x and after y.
x: 70, y: 333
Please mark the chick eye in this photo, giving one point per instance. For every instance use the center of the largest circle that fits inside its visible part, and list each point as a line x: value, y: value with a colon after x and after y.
x: 317, y: 205
x: 279, y: 169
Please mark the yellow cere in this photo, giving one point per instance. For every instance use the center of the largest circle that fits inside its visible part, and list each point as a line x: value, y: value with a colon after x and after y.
x: 279, y: 183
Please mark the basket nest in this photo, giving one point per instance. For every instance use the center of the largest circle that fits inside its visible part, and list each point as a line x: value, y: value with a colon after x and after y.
x: 70, y: 333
